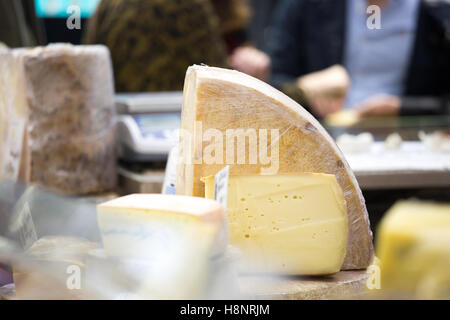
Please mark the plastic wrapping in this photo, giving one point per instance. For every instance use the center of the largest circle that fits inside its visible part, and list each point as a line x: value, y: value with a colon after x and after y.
x: 70, y: 136
x: 54, y: 247
x: 218, y: 102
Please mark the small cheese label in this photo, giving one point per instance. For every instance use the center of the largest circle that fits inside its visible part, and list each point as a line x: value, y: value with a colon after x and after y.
x: 170, y: 179
x: 23, y: 227
x: 221, y: 187
x: 221, y: 195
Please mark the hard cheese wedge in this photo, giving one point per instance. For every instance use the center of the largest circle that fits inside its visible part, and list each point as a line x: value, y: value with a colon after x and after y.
x: 290, y: 224
x: 218, y: 100
x: 414, y: 250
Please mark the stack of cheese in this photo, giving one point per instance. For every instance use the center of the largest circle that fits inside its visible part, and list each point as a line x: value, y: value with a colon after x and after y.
x: 63, y: 96
x: 294, y: 205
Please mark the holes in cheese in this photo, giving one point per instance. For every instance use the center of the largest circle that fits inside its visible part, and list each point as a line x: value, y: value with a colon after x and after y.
x: 233, y: 119
x: 306, y: 235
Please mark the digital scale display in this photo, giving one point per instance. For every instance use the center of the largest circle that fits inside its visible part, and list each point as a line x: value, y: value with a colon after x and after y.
x: 144, y: 137
x: 158, y: 126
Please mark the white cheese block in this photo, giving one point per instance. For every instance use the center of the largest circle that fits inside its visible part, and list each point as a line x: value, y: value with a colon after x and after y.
x: 168, y: 240
x: 276, y: 136
x: 142, y: 225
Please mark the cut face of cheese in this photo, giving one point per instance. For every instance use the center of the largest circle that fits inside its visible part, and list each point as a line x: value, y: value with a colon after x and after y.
x: 230, y: 118
x: 414, y: 250
x: 289, y: 224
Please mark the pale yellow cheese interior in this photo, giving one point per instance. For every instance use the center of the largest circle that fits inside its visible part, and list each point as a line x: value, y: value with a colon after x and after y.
x: 413, y: 246
x: 288, y: 224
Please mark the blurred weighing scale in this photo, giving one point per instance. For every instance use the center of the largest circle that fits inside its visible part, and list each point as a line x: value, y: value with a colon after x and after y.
x: 148, y: 125
x: 147, y: 129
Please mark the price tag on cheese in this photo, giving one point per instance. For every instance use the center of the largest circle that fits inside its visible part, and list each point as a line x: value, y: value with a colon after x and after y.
x: 221, y: 187
x: 170, y: 179
x: 23, y: 226
x: 221, y: 196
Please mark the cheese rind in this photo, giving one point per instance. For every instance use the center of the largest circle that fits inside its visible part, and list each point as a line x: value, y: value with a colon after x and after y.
x: 62, y: 98
x: 413, y: 246
x: 220, y: 100
x: 287, y: 224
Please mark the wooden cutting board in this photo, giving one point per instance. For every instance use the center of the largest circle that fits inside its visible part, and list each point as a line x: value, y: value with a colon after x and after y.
x: 342, y: 285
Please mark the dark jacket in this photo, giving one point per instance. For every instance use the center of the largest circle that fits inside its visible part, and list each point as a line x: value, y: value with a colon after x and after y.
x: 19, y: 25
x: 153, y: 42
x: 309, y: 35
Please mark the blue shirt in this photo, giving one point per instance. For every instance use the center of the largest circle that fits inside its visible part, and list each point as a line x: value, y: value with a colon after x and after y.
x: 377, y: 59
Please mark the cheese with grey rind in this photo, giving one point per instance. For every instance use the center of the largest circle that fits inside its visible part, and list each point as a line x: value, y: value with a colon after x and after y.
x: 66, y: 98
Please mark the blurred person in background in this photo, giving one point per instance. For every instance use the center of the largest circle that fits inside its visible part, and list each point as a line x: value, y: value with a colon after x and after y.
x: 152, y: 42
x: 402, y: 68
x: 19, y: 25
x: 234, y: 16
x: 234, y: 19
